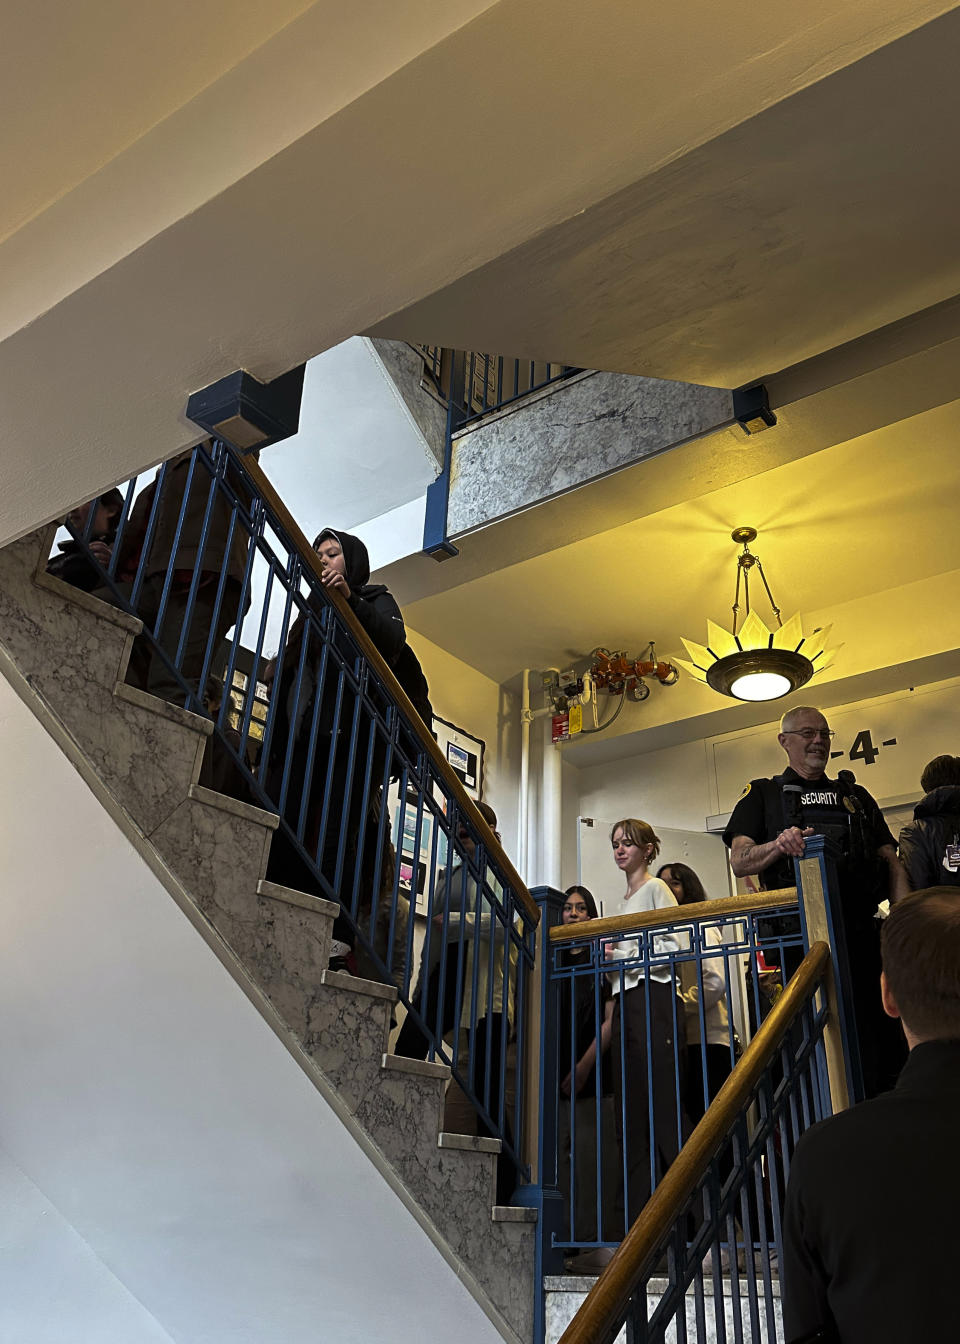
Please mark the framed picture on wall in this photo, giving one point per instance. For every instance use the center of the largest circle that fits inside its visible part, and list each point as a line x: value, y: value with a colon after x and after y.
x: 415, y: 863
x: 464, y: 754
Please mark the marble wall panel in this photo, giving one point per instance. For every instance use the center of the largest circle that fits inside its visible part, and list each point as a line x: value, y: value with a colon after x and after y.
x: 405, y: 369
x: 290, y: 957
x: 73, y: 649
x: 403, y: 1115
x: 219, y: 858
x: 456, y: 1191
x: 347, y: 1034
x: 579, y: 431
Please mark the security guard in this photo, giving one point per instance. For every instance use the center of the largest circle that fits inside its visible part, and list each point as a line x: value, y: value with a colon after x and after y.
x: 767, y: 831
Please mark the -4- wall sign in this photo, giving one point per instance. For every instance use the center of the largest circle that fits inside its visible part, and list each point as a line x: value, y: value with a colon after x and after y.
x: 863, y: 748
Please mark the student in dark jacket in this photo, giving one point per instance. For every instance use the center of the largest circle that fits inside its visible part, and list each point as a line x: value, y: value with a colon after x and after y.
x: 930, y: 844
x: 870, y: 1224
x: 73, y: 565
x: 315, y: 707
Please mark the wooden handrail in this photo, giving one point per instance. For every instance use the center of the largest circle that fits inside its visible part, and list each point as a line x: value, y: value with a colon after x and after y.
x: 726, y: 907
x: 375, y: 658
x: 605, y: 1306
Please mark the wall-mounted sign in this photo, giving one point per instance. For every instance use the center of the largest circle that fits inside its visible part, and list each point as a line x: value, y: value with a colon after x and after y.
x: 886, y: 742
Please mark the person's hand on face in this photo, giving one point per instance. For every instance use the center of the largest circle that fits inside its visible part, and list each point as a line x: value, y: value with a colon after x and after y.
x: 101, y: 552
x: 334, y: 575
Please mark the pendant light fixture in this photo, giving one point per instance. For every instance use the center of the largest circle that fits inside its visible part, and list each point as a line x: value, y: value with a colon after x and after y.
x: 753, y: 662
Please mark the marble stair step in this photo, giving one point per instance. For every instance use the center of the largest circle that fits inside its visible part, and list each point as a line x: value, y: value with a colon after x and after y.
x: 469, y: 1143
x: 513, y: 1213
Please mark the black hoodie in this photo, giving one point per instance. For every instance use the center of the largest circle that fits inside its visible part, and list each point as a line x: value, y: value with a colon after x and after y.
x: 924, y: 842
x: 380, y: 617
x: 371, y: 603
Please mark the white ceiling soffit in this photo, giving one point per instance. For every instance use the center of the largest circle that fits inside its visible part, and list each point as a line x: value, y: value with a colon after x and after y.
x: 359, y: 453
x: 79, y: 84
x: 355, y: 162
x: 824, y: 216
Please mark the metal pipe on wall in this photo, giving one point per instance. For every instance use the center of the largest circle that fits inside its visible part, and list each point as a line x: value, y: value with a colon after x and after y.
x: 523, y: 848
x: 551, y: 811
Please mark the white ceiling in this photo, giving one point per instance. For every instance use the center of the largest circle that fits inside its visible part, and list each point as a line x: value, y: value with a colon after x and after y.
x: 360, y: 159
x: 81, y: 83
x: 358, y: 453
x: 805, y: 225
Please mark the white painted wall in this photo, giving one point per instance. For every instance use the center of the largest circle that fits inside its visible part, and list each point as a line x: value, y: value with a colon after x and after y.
x: 669, y: 787
x: 147, y: 1101
x: 395, y: 535
x: 52, y: 1283
x: 358, y: 453
x: 463, y: 696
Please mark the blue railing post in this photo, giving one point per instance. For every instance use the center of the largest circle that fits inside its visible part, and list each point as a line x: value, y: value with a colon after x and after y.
x: 824, y: 852
x: 436, y: 543
x: 542, y: 1192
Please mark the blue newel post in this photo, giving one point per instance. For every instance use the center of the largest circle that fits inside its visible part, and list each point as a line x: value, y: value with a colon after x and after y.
x: 542, y: 1192
x: 822, y: 918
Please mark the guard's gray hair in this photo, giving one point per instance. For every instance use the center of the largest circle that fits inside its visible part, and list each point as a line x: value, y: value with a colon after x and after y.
x: 791, y: 716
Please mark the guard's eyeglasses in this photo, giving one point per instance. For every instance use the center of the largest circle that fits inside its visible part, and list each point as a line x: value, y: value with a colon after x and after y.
x: 808, y: 734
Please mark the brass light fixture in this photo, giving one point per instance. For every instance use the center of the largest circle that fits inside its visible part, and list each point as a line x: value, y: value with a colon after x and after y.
x: 754, y: 662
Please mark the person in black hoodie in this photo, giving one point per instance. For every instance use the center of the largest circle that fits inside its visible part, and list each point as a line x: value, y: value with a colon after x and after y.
x: 314, y: 713
x: 73, y: 565
x: 930, y: 844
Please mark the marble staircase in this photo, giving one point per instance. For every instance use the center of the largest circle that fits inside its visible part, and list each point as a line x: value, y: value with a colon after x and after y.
x: 72, y: 651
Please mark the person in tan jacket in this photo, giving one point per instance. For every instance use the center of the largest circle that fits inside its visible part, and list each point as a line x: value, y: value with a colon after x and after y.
x: 146, y: 547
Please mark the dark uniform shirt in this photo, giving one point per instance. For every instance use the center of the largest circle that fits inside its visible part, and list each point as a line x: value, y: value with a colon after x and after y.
x: 847, y: 814
x: 844, y: 812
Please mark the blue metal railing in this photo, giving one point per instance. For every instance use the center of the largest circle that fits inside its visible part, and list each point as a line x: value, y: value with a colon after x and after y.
x: 709, y: 1287
x: 219, y: 575
x: 665, y: 1014
x: 704, y: 1259
x: 475, y: 385
x: 491, y: 382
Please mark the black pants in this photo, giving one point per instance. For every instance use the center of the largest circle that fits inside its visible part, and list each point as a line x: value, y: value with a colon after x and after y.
x: 146, y: 670
x: 346, y: 819
x: 581, y: 1195
x: 883, y: 1048
x: 634, y: 1103
x: 489, y: 1039
x: 718, y: 1070
x: 413, y: 1042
